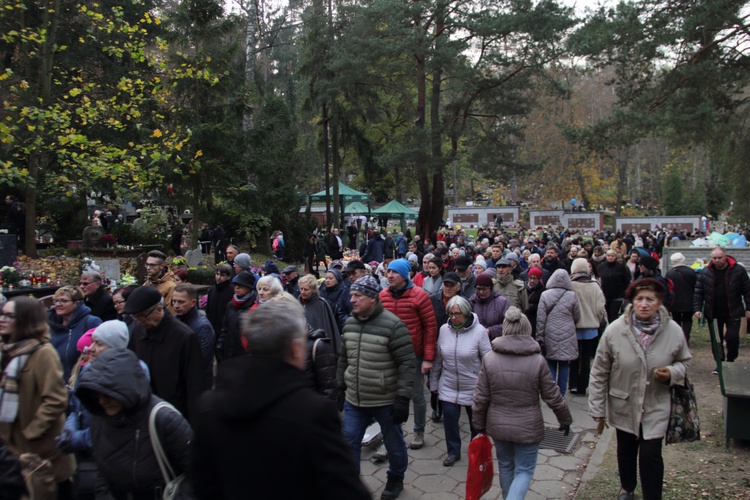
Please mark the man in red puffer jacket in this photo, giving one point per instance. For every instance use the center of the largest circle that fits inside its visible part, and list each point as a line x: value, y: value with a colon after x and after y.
x: 412, y: 305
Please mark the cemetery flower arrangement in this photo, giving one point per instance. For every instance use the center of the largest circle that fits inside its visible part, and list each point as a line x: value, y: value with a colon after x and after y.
x: 180, y: 261
x: 107, y: 239
x: 127, y: 279
x: 10, y: 275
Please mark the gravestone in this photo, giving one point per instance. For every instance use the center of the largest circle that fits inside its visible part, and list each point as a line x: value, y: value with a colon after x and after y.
x: 110, y: 268
x: 8, y: 249
x: 194, y: 257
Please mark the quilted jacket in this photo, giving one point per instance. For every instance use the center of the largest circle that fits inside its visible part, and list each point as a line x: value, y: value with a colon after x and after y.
x: 376, y: 362
x: 506, y: 401
x: 738, y: 286
x: 556, y: 318
x: 590, y: 300
x: 457, y: 361
x: 491, y: 312
x: 414, y: 308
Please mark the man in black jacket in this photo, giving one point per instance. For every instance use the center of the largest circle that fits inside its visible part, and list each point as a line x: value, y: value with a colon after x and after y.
x: 615, y: 279
x: 276, y: 440
x: 219, y: 296
x: 96, y: 296
x: 169, y: 348
x: 722, y: 286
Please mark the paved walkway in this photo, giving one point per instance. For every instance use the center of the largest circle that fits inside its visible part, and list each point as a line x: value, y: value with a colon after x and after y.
x: 557, y: 475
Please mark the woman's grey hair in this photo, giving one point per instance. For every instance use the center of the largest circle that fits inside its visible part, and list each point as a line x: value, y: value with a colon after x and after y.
x: 93, y: 275
x: 463, y: 304
x: 271, y: 327
x: 272, y: 282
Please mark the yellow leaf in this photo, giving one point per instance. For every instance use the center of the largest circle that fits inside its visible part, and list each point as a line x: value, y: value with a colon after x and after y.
x: 157, y: 133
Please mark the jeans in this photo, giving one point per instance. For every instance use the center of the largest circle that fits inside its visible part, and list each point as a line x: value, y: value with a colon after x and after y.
x: 451, y: 417
x: 356, y: 420
x: 417, y: 396
x: 516, y: 463
x: 635, y: 451
x: 685, y: 320
x: 560, y: 371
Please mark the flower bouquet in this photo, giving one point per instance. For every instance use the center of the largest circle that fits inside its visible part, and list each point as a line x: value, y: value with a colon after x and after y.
x: 10, y: 275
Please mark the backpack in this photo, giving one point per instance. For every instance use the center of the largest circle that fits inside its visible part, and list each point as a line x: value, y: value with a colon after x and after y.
x: 275, y: 245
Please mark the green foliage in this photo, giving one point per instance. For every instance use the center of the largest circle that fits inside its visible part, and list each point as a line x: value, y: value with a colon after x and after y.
x: 202, y: 276
x: 674, y: 202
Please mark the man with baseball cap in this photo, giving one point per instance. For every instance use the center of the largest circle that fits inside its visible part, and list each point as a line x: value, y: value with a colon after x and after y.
x: 169, y: 348
x: 466, y: 273
x: 377, y: 381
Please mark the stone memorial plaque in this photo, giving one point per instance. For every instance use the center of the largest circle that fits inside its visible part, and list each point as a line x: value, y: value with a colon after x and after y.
x: 110, y: 268
x: 8, y: 249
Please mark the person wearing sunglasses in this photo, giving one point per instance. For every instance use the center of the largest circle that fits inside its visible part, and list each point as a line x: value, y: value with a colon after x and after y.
x: 32, y: 410
x: 96, y: 296
x: 69, y: 318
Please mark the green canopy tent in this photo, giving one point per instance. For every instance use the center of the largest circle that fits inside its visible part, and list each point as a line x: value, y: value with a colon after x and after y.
x: 395, y: 210
x: 356, y: 208
x: 346, y: 195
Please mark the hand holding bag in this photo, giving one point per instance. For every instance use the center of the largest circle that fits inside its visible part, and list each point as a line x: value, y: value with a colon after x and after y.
x: 684, y: 424
x: 481, y: 470
x: 171, y: 482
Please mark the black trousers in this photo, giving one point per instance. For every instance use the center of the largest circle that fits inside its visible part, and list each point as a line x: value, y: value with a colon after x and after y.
x: 685, y: 320
x: 580, y: 368
x: 729, y: 332
x: 635, y: 451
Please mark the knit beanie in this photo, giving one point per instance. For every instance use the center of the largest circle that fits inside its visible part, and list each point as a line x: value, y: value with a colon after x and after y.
x: 579, y: 266
x: 480, y: 263
x: 412, y: 257
x: 243, y: 260
x: 483, y: 279
x: 677, y: 259
x: 400, y: 266
x: 535, y: 271
x: 85, y: 340
x: 491, y: 272
x: 649, y: 262
x: 114, y: 333
x: 367, y: 285
x: 516, y: 322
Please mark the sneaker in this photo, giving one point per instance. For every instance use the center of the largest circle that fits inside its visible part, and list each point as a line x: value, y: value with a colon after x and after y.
x: 417, y: 441
x: 393, y: 488
x: 715, y: 372
x: 381, y: 455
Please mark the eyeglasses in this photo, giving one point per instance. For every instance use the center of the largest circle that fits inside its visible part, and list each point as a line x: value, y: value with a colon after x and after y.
x: 61, y: 301
x: 118, y: 302
x: 4, y: 314
x: 455, y: 314
x: 85, y: 283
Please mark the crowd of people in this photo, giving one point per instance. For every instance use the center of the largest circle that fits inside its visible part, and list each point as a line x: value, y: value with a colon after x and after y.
x: 491, y: 325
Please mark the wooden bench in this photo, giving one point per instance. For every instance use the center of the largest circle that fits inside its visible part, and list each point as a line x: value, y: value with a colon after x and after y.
x: 735, y: 387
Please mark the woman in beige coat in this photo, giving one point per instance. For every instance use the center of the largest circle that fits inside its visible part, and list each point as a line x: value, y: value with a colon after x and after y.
x: 506, y: 402
x: 640, y: 356
x: 32, y: 411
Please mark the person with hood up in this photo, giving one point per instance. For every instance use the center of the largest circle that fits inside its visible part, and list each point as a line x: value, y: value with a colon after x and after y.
x: 279, y: 440
x: 461, y: 345
x: 228, y: 344
x: 317, y: 310
x: 336, y: 294
x: 116, y: 392
x: 69, y: 318
x: 593, y: 313
x: 506, y: 403
x: 489, y: 306
x: 556, y: 326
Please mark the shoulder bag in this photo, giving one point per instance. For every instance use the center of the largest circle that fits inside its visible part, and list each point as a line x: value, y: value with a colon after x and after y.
x: 684, y: 424
x: 171, y: 482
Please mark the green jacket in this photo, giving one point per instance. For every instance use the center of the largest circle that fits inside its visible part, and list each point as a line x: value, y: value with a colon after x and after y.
x: 377, y: 360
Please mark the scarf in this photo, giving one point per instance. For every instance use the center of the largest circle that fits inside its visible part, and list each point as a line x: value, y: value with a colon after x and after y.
x: 19, y: 354
x: 645, y: 330
x: 238, y: 301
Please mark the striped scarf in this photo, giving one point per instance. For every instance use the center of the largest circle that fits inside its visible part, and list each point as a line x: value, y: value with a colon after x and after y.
x: 19, y: 354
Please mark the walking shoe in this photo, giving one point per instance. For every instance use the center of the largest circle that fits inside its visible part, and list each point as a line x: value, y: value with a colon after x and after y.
x: 393, y: 488
x: 381, y: 455
x: 417, y: 441
x: 626, y: 495
x: 715, y: 372
x: 436, y: 417
x: 452, y: 459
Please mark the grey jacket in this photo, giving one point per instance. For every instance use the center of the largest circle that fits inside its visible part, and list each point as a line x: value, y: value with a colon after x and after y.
x: 556, y: 318
x: 622, y: 385
x: 591, y: 301
x: 432, y: 285
x: 376, y: 361
x: 457, y: 361
x: 506, y: 400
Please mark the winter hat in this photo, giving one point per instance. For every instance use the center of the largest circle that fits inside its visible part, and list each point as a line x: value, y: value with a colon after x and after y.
x: 677, y: 259
x: 244, y: 278
x: 141, y: 299
x: 400, y: 266
x: 85, y: 340
x: 512, y: 256
x: 463, y: 263
x: 481, y: 263
x: 114, y: 333
x: 491, y: 272
x: 516, y: 322
x: 270, y: 267
x: 243, y: 260
x: 337, y: 274
x: 367, y: 285
x: 579, y: 265
x: 649, y: 262
x: 483, y: 279
x: 535, y: 271
x: 412, y: 257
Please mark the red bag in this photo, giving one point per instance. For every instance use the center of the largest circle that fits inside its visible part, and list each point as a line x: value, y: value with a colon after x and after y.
x: 481, y: 470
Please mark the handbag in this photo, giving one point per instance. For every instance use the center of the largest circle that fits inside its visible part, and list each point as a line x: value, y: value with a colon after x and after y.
x: 481, y: 470
x: 684, y: 423
x: 171, y: 481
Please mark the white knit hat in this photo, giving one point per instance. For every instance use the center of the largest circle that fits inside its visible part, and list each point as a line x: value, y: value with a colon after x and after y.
x: 677, y: 259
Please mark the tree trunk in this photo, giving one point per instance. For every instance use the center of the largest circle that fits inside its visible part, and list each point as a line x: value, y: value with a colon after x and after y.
x: 336, y: 162
x: 424, y: 221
